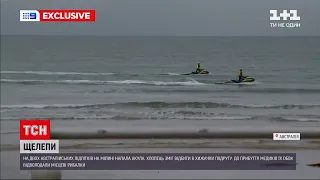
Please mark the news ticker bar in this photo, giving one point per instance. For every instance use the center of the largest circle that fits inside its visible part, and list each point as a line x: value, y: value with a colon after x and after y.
x: 158, y: 161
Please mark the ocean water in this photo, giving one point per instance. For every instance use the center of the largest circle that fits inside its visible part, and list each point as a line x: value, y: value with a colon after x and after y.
x: 128, y: 79
x: 126, y: 83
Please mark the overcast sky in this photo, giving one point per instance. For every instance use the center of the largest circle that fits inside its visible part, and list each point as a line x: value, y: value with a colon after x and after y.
x: 165, y: 17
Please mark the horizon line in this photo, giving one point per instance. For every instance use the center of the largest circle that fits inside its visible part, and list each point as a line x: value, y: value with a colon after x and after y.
x: 159, y: 35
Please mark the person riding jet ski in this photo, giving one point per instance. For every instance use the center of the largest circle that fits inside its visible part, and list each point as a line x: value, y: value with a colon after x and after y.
x: 240, y: 76
x: 198, y: 69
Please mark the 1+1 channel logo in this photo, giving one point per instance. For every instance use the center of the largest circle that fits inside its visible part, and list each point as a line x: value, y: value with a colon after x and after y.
x: 281, y: 20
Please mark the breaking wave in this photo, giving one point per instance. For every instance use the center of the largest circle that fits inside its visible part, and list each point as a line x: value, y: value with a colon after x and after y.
x: 48, y: 73
x: 202, y: 91
x: 54, y: 73
x: 187, y: 116
x: 164, y: 105
x: 299, y: 119
x: 97, y: 82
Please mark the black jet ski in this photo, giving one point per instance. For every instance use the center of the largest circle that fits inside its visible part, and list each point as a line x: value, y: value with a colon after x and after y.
x: 245, y: 79
x: 203, y: 71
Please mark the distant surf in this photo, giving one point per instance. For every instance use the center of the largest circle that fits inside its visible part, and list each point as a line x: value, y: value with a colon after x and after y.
x: 50, y: 73
x: 164, y: 105
x: 98, y: 82
x: 173, y: 115
x: 55, y: 73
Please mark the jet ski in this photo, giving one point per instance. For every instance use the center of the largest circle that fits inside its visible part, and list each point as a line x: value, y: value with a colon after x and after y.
x: 203, y: 71
x: 245, y: 79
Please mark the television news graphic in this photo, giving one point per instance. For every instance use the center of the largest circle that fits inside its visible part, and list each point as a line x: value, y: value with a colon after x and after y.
x: 58, y: 15
x: 284, y: 19
x: 35, y: 137
x: 158, y: 161
x: 284, y: 15
x: 286, y: 136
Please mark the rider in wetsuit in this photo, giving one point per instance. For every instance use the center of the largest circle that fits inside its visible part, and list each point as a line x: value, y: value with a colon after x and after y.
x: 240, y: 75
x: 198, y: 69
